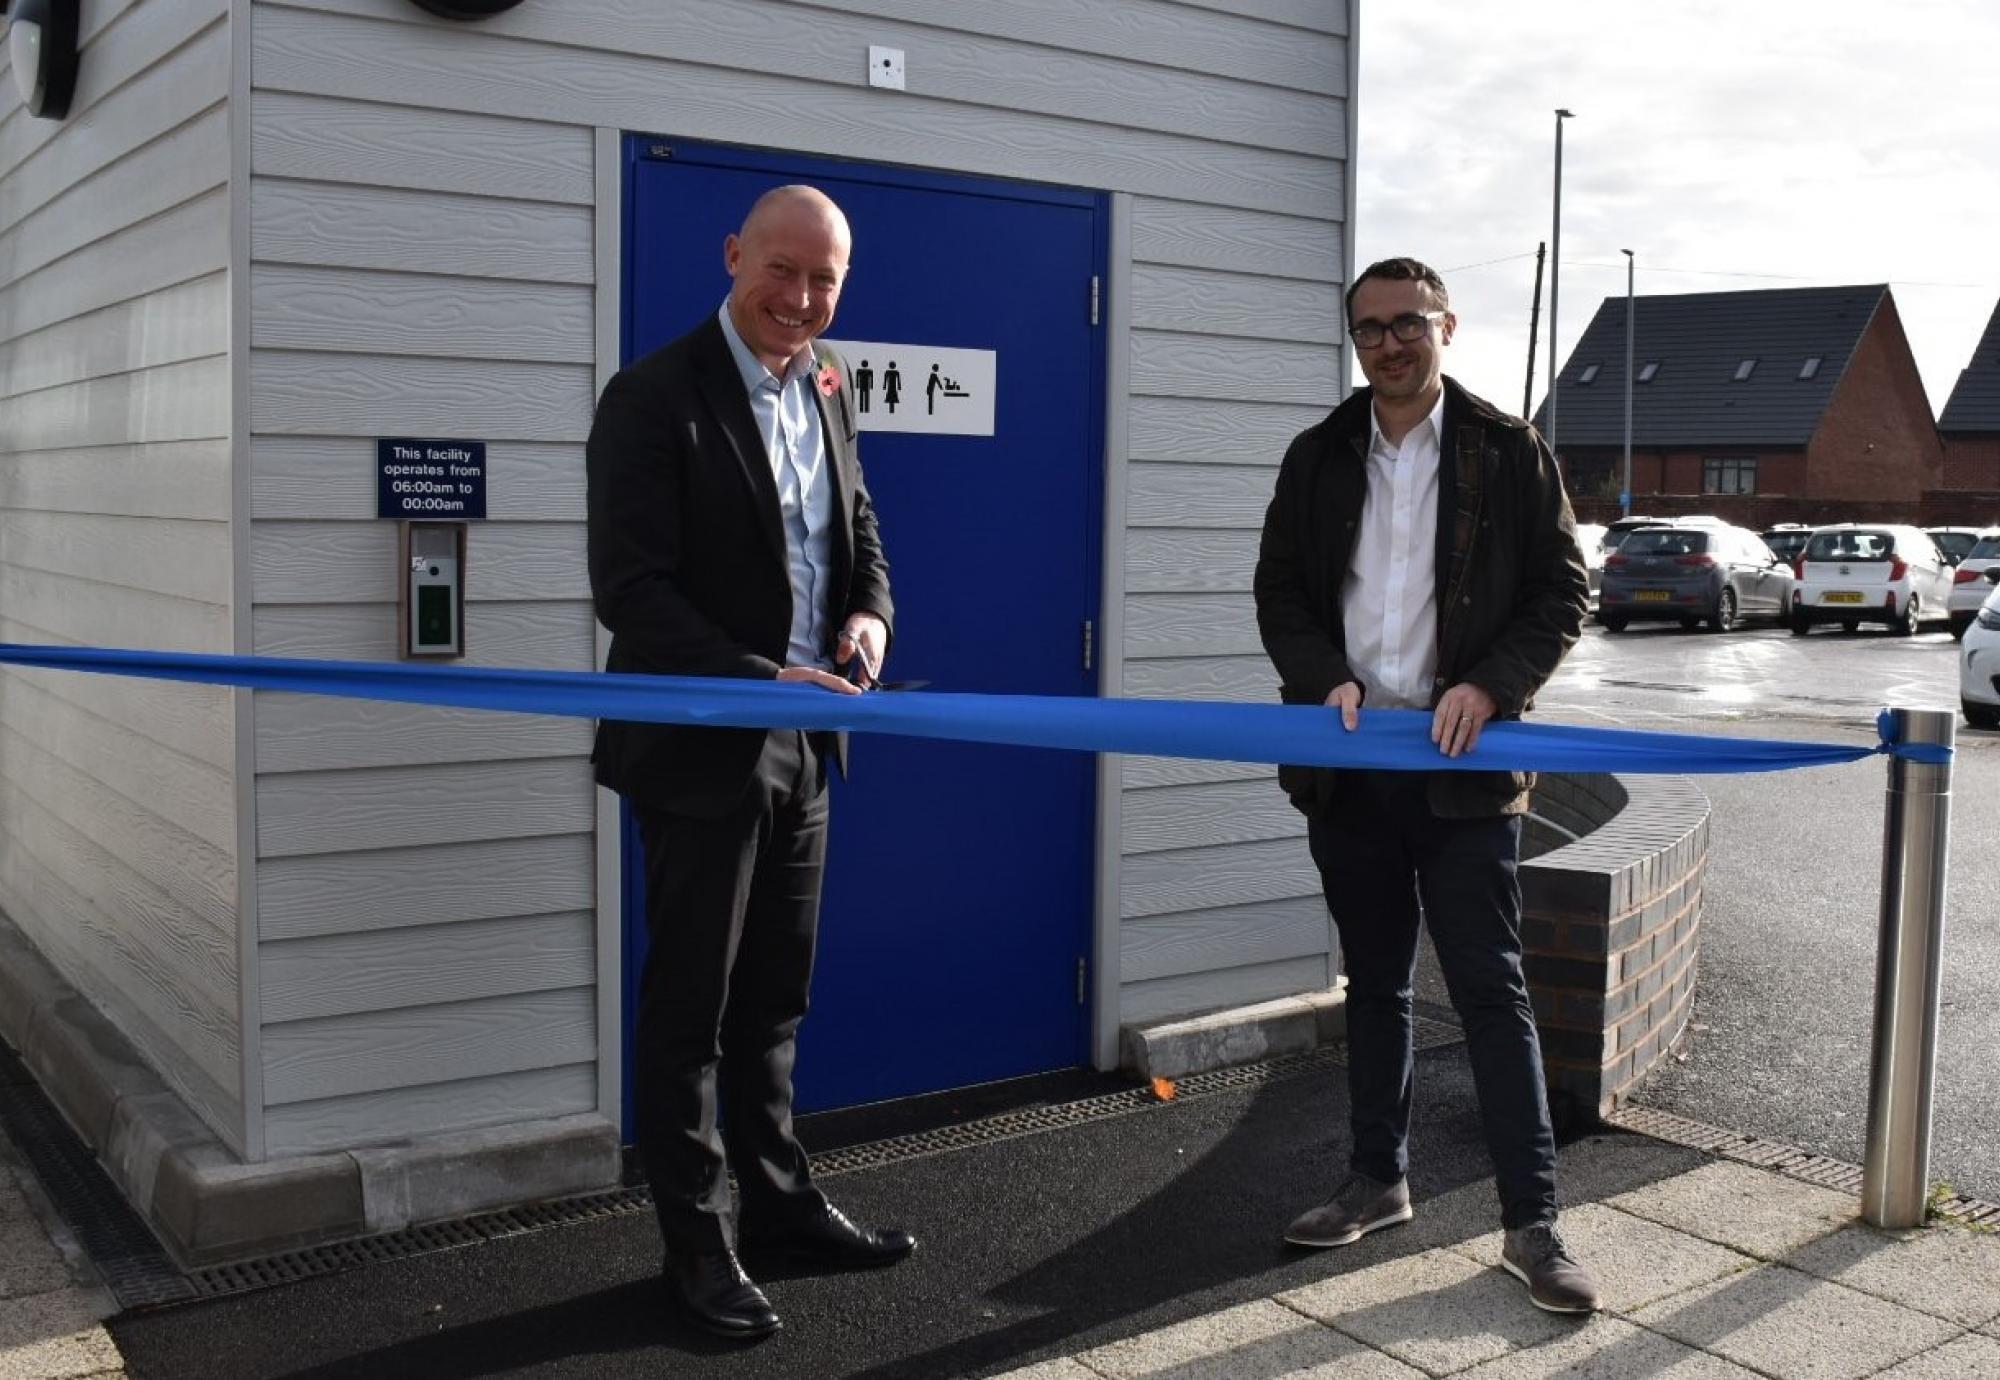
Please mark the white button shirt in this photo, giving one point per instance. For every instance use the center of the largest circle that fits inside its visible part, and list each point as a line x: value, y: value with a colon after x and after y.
x: 1388, y: 602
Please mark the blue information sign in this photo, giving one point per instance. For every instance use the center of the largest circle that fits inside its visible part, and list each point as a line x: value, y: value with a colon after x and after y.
x: 430, y: 479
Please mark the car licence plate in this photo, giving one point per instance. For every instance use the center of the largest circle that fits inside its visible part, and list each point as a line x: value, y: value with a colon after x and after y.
x: 1841, y: 596
x: 1656, y: 596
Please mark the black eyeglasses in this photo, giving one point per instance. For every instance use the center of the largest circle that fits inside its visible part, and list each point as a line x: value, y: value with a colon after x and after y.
x: 1407, y: 327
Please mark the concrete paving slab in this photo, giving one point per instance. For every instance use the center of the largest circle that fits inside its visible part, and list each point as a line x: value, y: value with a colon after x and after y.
x: 29, y: 1262
x: 1062, y: 1368
x: 55, y: 1336
x: 1636, y: 1261
x: 1971, y: 1357
x: 1437, y: 1311
x: 1950, y: 1272
x: 1254, y: 1341
x: 1610, y: 1350
x: 1786, y: 1322
x: 1753, y: 1210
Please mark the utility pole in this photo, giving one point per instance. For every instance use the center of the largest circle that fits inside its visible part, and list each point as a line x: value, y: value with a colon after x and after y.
x: 1555, y: 278
x: 1625, y: 494
x: 1534, y: 325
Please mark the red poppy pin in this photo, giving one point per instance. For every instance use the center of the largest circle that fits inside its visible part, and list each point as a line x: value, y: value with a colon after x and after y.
x: 829, y: 380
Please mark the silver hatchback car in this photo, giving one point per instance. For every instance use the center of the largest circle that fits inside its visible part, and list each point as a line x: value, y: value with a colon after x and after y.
x: 1692, y: 572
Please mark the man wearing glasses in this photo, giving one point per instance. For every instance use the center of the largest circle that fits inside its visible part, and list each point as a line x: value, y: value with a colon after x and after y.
x: 1420, y: 553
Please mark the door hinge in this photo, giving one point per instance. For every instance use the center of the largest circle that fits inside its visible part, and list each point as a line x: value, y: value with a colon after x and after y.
x: 1089, y: 643
x: 1095, y: 291
x: 1081, y: 971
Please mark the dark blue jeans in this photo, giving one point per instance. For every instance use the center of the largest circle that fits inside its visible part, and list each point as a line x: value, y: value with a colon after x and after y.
x: 1389, y: 865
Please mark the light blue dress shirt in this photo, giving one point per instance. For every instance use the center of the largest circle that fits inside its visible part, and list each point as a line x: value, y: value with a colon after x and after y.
x: 788, y: 419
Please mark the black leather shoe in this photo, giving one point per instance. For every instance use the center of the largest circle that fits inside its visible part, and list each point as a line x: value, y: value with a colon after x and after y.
x: 831, y: 1239
x: 721, y: 1298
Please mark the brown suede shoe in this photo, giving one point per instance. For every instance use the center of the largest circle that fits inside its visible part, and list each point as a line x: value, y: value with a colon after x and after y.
x: 1359, y: 1206
x: 1538, y: 1256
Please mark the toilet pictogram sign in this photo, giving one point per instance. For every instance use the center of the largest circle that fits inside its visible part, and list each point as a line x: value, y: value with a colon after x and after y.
x: 931, y: 389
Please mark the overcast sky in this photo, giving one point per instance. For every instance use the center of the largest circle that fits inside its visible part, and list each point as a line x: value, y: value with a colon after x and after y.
x: 1814, y: 141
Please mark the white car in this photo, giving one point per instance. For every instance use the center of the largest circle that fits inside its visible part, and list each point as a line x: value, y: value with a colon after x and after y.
x: 1979, y: 665
x: 1870, y: 572
x: 1970, y: 585
x: 1590, y: 536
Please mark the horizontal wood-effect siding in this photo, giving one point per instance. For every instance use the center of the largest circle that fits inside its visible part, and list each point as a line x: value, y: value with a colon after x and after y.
x: 189, y: 321
x: 341, y: 562
x: 1164, y: 998
x: 387, y: 970
x: 308, y: 733
x: 391, y: 888
x: 117, y: 798
x: 401, y: 807
x: 544, y: 636
x: 373, y: 1117
x: 317, y: 140
x: 414, y: 314
x: 1167, y: 946
x: 832, y: 112
x: 338, y: 1056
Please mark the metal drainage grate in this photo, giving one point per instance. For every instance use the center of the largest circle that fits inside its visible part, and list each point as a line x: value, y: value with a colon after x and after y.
x: 1788, y: 1160
x: 121, y: 1247
x: 290, y: 1267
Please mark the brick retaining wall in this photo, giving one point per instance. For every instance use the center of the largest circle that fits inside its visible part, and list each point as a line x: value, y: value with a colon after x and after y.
x: 1611, y: 927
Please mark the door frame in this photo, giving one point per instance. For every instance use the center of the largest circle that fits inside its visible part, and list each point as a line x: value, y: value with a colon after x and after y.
x: 1113, y: 251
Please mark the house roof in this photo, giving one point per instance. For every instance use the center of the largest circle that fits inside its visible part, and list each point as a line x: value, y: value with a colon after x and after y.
x: 1699, y: 341
x: 1974, y: 404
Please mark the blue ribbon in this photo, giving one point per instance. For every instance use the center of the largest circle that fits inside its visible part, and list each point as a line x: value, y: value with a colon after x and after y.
x: 1393, y: 739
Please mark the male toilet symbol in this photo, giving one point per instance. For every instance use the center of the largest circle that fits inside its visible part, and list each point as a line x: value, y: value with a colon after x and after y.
x: 864, y: 384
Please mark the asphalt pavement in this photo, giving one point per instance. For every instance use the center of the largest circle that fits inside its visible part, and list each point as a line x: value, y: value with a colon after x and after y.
x: 1779, y: 1045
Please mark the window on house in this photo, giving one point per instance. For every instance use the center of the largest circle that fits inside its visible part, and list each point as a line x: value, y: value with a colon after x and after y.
x: 1745, y: 369
x: 1728, y: 474
x: 1648, y: 369
x: 1589, y: 374
x: 1810, y: 367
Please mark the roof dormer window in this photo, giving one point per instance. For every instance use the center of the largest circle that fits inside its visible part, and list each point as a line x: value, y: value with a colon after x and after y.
x: 1648, y: 369
x: 1589, y: 374
x: 1810, y: 367
x: 1745, y: 369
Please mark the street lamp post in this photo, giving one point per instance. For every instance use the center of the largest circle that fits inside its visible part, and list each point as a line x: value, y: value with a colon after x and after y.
x: 1555, y: 278
x: 1625, y: 494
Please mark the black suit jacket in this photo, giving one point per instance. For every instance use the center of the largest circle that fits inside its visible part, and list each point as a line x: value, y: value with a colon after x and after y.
x: 687, y: 557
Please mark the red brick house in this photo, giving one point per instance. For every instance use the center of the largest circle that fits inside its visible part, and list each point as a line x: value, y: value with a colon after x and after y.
x: 1970, y: 425
x: 1787, y: 404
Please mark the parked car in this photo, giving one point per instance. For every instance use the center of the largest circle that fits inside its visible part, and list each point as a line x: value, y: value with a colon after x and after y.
x: 1979, y: 664
x: 1855, y: 573
x: 1692, y: 572
x: 1616, y: 530
x: 1786, y: 539
x: 1955, y: 542
x: 1969, y: 582
x: 1590, y: 536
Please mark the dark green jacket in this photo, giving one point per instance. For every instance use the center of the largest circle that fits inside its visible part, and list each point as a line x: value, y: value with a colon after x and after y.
x: 1511, y: 583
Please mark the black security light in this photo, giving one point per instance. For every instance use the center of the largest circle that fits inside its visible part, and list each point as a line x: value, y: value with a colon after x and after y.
x: 41, y: 48
x: 466, y: 9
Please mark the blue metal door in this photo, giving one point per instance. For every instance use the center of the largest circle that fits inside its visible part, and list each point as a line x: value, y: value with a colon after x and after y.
x: 955, y: 926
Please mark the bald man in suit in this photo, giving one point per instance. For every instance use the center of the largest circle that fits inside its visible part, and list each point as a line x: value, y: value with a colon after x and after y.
x: 731, y: 534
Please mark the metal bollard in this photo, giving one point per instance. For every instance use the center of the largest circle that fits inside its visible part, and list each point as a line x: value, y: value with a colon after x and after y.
x: 1909, y: 964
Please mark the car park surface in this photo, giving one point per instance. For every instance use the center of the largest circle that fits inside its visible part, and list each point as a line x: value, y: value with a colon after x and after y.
x: 1779, y: 1040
